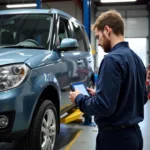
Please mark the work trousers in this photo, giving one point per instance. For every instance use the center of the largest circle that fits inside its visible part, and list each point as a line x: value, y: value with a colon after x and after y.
x: 129, y: 138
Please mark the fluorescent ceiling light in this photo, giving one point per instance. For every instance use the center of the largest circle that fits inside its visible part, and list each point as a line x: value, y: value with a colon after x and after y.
x: 116, y: 1
x: 21, y: 5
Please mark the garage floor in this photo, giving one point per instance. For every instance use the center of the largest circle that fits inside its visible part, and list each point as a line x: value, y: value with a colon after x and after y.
x: 78, y: 137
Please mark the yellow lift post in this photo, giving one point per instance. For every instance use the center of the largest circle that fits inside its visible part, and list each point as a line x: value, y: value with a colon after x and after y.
x: 73, y: 115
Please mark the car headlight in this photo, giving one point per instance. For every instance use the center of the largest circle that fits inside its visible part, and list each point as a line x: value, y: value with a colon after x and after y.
x: 12, y: 76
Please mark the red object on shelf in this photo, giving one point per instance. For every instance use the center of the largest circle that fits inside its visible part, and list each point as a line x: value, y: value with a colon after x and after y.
x: 148, y: 96
x: 147, y: 82
x: 148, y: 67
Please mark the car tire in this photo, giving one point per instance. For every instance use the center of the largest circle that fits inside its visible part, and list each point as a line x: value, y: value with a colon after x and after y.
x: 43, y: 130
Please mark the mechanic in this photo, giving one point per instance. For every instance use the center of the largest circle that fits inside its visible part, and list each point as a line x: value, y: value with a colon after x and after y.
x: 120, y: 95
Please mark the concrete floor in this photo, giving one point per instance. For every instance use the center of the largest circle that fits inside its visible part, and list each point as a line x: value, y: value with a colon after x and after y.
x: 78, y: 137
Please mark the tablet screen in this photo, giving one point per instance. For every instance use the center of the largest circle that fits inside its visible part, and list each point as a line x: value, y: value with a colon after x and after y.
x: 81, y: 88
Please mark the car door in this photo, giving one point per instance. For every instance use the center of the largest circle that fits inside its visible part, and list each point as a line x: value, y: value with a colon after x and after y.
x: 69, y: 62
x: 86, y: 59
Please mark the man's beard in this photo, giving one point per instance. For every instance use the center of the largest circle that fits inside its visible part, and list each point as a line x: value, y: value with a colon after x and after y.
x: 106, y: 44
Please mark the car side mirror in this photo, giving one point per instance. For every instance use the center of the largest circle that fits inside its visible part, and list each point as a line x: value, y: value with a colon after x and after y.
x: 68, y: 44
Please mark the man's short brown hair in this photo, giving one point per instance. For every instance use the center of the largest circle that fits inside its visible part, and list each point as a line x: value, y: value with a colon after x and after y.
x: 111, y: 18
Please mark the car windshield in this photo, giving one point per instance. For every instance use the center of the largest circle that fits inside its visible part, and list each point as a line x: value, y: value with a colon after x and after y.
x: 26, y: 30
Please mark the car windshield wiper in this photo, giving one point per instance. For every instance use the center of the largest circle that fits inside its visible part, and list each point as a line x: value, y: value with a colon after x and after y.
x: 23, y: 46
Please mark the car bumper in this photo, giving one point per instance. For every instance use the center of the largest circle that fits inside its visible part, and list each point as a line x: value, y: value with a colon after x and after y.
x: 17, y: 104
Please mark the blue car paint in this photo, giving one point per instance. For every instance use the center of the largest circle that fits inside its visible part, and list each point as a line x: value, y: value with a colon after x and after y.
x: 45, y: 68
x: 15, y: 55
x: 14, y: 100
x: 39, y: 81
x: 23, y: 99
x: 46, y: 57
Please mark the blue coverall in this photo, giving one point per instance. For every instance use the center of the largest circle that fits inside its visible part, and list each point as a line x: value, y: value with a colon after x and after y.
x: 118, y: 105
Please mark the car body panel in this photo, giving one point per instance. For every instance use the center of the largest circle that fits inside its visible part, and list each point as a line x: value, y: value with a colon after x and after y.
x: 23, y: 99
x: 69, y: 74
x: 48, y: 67
x: 15, y: 55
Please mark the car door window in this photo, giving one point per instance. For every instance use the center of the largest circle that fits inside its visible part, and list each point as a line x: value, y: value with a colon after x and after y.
x: 86, y: 39
x: 70, y: 69
x: 64, y: 31
x: 79, y: 37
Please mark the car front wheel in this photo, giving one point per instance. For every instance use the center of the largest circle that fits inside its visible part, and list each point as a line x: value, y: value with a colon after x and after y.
x: 43, y: 130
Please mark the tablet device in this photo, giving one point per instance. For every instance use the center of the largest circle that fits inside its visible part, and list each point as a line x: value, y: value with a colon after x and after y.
x: 79, y: 86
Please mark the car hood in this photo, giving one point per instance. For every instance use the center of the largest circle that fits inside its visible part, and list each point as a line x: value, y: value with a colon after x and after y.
x: 11, y: 55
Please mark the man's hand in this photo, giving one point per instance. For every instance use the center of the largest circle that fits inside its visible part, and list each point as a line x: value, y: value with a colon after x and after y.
x: 91, y: 91
x: 73, y: 95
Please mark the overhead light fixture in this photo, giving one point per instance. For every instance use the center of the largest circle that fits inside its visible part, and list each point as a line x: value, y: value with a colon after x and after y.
x: 21, y: 5
x: 116, y: 1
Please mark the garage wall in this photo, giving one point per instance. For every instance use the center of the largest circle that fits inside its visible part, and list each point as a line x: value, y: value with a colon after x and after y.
x: 69, y: 7
x: 136, y: 29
